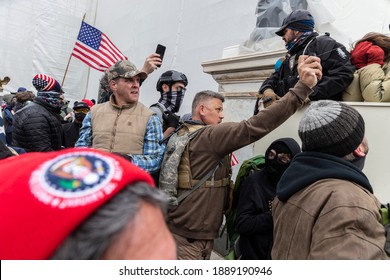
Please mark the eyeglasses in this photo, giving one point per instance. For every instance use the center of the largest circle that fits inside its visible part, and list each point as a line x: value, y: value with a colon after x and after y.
x: 81, y: 110
x: 282, y: 157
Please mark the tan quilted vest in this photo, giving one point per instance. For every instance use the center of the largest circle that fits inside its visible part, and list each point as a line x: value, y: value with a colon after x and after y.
x: 119, y: 129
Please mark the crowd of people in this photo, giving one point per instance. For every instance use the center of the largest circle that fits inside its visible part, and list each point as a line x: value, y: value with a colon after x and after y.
x: 84, y: 183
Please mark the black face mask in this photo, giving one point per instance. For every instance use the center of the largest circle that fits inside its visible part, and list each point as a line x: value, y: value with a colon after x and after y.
x: 359, y: 162
x: 276, y: 168
x: 79, y: 117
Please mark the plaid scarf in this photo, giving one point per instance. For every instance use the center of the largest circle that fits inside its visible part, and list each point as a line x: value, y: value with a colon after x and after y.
x: 51, y: 97
x: 172, y: 100
x: 297, y: 43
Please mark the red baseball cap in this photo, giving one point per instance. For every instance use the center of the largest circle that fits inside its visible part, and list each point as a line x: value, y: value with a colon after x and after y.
x: 89, y: 102
x: 44, y: 196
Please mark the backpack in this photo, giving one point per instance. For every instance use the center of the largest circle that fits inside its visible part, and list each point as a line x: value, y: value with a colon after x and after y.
x: 248, y: 167
x: 385, y: 213
x: 169, y: 172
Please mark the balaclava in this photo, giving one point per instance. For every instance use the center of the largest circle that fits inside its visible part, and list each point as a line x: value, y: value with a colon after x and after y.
x: 274, y: 167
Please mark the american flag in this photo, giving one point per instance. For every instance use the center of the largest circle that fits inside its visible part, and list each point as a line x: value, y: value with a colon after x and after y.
x: 94, y: 48
x: 234, y: 160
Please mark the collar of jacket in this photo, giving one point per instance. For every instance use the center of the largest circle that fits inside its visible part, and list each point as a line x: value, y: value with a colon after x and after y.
x: 301, y: 42
x: 46, y: 105
x: 124, y: 106
x: 309, y: 167
x: 195, y: 122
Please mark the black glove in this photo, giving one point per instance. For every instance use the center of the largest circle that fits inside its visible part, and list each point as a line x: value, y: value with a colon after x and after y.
x: 171, y: 119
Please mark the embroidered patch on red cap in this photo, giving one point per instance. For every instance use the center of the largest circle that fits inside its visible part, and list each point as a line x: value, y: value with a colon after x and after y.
x: 75, y: 179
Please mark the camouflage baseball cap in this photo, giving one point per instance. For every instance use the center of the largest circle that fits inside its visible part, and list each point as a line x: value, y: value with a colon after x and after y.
x: 124, y: 69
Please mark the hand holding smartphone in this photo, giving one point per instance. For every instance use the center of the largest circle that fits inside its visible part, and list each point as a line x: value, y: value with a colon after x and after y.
x: 161, y: 51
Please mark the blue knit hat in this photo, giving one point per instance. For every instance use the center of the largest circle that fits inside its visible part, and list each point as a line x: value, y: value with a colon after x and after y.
x: 300, y: 20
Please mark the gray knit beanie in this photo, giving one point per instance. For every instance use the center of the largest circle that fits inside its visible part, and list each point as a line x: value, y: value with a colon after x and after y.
x: 331, y: 127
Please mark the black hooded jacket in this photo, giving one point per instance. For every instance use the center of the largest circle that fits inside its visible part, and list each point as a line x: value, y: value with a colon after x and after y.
x: 337, y: 69
x: 254, y: 217
x: 310, y: 167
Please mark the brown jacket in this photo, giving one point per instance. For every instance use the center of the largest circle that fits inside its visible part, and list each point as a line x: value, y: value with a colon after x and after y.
x: 330, y: 219
x: 199, y: 216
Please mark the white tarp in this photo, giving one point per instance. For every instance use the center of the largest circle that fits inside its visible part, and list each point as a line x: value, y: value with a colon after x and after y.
x: 346, y: 20
x: 193, y: 31
x: 38, y: 36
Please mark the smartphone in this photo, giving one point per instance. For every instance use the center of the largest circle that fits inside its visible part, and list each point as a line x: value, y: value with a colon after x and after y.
x: 161, y: 51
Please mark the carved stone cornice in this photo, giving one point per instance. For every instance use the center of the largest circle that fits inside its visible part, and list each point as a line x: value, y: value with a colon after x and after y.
x: 241, y: 76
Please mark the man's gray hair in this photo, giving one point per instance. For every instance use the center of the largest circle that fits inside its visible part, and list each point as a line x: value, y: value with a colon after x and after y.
x: 92, y: 238
x: 203, y: 96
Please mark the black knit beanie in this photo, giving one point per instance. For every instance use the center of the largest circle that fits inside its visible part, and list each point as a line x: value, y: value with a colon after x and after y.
x: 331, y: 127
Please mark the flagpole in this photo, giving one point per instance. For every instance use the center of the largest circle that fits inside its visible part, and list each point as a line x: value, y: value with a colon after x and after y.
x: 86, y: 88
x: 70, y: 57
x: 89, y: 68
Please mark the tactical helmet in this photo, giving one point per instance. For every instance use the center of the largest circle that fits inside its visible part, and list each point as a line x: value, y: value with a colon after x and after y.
x: 294, y: 16
x: 171, y: 77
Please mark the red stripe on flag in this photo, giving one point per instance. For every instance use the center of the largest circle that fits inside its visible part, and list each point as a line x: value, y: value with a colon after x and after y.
x: 234, y: 160
x: 106, y: 54
x: 86, y: 61
x: 111, y: 48
x: 92, y: 56
x: 95, y: 56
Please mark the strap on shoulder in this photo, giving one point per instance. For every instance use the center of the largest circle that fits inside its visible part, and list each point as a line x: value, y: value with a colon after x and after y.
x: 200, y: 183
x: 158, y: 105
